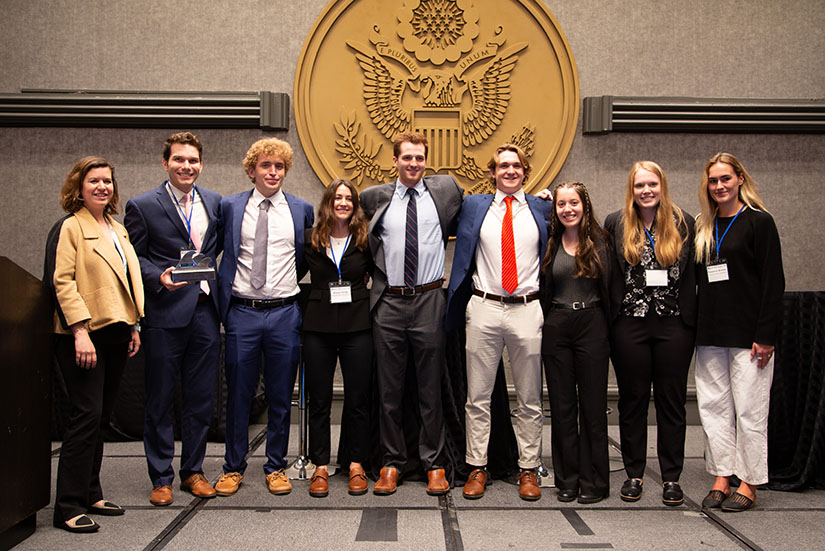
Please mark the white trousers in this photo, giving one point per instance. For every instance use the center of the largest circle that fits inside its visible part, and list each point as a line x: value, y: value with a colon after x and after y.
x: 490, y: 327
x: 734, y: 399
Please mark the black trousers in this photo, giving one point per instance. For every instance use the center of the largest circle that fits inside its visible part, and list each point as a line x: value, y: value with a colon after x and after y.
x: 576, y: 352
x: 653, y: 350
x: 92, y: 394
x: 321, y: 353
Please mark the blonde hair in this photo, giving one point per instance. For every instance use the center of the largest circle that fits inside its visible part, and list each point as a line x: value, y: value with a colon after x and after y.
x: 668, y: 241
x: 705, y: 221
x: 269, y: 147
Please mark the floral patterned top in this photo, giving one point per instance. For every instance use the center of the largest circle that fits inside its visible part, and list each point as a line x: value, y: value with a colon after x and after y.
x: 640, y: 299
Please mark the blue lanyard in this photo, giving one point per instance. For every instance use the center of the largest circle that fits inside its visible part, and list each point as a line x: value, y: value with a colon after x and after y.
x: 332, y: 251
x: 719, y: 241
x: 188, y: 219
x: 652, y: 243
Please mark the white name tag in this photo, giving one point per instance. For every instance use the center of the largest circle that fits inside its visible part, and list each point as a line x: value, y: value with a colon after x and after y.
x: 340, y: 292
x: 656, y: 278
x: 718, y: 272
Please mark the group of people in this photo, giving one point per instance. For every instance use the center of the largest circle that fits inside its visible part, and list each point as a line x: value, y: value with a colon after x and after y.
x: 538, y: 275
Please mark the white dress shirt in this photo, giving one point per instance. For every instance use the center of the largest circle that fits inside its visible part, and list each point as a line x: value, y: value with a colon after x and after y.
x: 281, y: 272
x: 200, y: 219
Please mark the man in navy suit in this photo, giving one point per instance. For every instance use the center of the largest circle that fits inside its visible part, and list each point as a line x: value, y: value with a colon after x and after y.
x: 263, y: 260
x: 181, y: 330
x: 408, y: 303
x: 494, y: 289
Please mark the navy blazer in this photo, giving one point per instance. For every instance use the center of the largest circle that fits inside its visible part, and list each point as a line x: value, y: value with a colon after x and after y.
x: 447, y: 196
x: 230, y: 220
x: 469, y: 228
x: 158, y: 234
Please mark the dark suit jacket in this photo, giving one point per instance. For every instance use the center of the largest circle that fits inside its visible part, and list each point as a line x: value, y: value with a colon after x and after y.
x: 158, y: 235
x: 230, y: 219
x: 320, y: 315
x: 687, y: 266
x: 447, y: 196
x: 473, y: 211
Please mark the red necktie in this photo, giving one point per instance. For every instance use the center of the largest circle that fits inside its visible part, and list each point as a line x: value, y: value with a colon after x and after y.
x: 509, y: 271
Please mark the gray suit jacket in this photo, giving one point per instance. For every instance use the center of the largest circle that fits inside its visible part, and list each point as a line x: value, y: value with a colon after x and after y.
x: 447, y: 196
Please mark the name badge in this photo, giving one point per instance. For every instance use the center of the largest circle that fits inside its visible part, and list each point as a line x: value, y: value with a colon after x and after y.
x: 340, y: 292
x: 718, y: 272
x: 656, y: 278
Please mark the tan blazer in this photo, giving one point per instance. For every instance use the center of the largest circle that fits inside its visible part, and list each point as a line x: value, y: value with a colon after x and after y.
x: 90, y: 282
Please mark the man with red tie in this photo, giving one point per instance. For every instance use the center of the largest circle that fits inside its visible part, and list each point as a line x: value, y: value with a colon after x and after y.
x: 181, y: 330
x: 494, y: 289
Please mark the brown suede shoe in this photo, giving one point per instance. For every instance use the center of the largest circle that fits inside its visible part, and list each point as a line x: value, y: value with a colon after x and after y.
x: 318, y: 486
x: 528, y: 486
x: 161, y: 495
x: 387, y: 483
x: 197, y: 485
x: 228, y: 484
x: 476, y: 482
x: 278, y: 483
x: 357, y: 481
x: 437, y: 485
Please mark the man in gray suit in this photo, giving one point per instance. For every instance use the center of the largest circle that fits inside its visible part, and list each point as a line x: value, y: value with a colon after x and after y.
x: 410, y: 222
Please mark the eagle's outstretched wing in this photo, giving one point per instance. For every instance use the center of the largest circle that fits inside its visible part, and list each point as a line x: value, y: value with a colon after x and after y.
x: 490, y: 96
x: 383, y: 91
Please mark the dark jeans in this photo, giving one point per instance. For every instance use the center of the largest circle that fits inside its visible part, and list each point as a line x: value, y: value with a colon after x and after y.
x: 652, y: 350
x: 321, y: 353
x: 92, y: 393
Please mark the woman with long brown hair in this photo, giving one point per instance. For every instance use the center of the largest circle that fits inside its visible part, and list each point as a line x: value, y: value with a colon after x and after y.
x: 337, y: 327
x: 576, y: 301
x: 741, y: 283
x: 94, y: 275
x: 652, y: 336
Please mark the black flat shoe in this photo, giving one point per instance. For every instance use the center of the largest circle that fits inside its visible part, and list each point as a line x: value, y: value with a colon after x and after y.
x: 672, y: 494
x: 566, y: 496
x: 737, y: 503
x: 82, y: 525
x: 714, y: 499
x: 108, y: 509
x: 587, y: 499
x: 631, y: 490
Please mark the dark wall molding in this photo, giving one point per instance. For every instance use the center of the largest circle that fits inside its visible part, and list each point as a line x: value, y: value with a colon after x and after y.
x: 145, y: 109
x: 603, y: 114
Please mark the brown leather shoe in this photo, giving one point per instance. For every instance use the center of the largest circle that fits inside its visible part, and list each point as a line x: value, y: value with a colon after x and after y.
x: 318, y: 486
x: 387, y: 483
x: 357, y: 481
x: 278, y: 483
x: 228, y: 484
x: 476, y: 482
x: 528, y: 485
x: 437, y: 485
x: 161, y: 495
x: 197, y: 485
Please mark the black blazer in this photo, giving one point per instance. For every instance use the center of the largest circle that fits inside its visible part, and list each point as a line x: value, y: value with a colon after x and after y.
x: 607, y: 258
x: 321, y: 316
x: 687, y: 266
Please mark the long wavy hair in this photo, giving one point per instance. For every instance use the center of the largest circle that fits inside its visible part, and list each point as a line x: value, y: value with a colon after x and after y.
x: 326, y: 219
x: 668, y: 240
x: 704, y: 222
x: 590, y: 233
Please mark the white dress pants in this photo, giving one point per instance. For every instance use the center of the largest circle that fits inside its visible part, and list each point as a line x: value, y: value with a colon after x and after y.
x: 734, y: 400
x: 490, y: 327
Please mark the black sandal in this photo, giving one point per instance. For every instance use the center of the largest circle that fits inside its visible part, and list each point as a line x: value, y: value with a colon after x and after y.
x: 82, y: 525
x: 108, y: 509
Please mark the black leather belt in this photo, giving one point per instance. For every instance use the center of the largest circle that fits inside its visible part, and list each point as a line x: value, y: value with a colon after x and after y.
x: 523, y: 299
x: 417, y: 290
x: 264, y: 303
x: 577, y: 305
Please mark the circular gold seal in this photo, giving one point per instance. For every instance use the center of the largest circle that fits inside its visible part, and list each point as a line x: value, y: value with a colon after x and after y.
x: 469, y: 75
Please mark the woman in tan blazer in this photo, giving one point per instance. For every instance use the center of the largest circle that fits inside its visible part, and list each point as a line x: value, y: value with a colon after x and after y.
x: 94, y: 277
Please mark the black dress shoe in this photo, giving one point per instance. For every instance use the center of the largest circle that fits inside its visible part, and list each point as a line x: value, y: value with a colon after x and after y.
x: 587, y: 499
x: 108, y: 509
x: 631, y: 490
x: 566, y: 496
x: 672, y: 494
x: 83, y: 525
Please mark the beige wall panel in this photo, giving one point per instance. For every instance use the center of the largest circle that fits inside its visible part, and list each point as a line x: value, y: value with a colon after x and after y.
x: 703, y: 48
